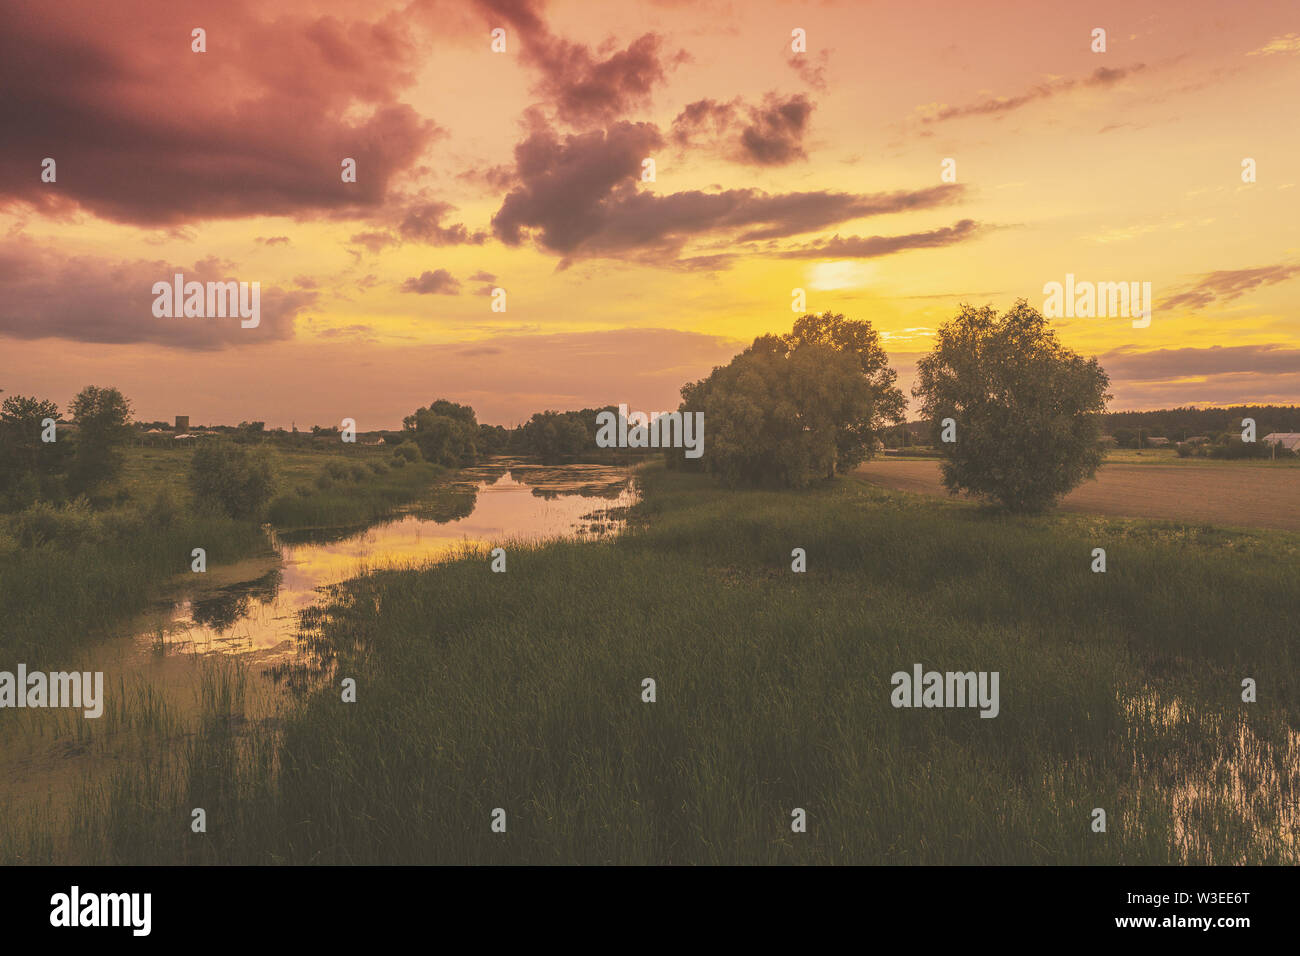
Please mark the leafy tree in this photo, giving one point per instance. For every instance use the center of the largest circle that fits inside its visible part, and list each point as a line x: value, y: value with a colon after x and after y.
x: 791, y: 408
x: 237, y: 480
x: 1027, y: 409
x: 554, y: 436
x: 775, y: 418
x: 103, y: 420
x: 28, y: 466
x: 855, y: 438
x: 446, y: 433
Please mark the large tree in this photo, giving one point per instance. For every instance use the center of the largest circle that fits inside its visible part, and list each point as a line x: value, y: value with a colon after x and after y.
x: 795, y: 407
x: 28, y: 465
x: 446, y: 432
x: 855, y: 438
x: 103, y: 420
x: 1026, y: 410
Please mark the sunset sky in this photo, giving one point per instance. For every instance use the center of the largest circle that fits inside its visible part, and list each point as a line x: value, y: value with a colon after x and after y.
x: 522, y: 170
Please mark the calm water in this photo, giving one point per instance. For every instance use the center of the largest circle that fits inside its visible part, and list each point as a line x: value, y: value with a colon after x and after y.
x: 252, y: 608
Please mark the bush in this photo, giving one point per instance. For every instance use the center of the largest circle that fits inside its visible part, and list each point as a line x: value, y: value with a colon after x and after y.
x: 44, y: 523
x: 357, y: 473
x: 378, y: 467
x: 324, y: 482
x: 162, y: 511
x: 407, y: 451
x: 399, y: 462
x: 237, y: 480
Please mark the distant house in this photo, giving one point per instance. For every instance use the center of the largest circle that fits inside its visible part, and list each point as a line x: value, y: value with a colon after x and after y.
x: 1156, y: 442
x: 1288, y: 440
x: 1197, y: 440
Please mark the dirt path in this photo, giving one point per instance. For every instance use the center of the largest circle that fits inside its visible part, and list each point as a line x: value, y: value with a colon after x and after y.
x: 1244, y: 496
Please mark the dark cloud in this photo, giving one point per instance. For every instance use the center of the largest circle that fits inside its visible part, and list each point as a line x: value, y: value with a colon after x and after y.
x: 855, y: 247
x: 422, y: 222
x: 1170, y: 364
x: 438, y: 282
x: 1228, y: 284
x: 145, y: 131
x: 583, y: 86
x: 1103, y: 76
x: 273, y: 240
x: 482, y: 277
x: 46, y: 294
x: 418, y: 221
x: 766, y: 135
x: 579, y: 197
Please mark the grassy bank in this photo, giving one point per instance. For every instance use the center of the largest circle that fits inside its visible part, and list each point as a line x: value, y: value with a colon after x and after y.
x: 70, y: 574
x: 523, y: 691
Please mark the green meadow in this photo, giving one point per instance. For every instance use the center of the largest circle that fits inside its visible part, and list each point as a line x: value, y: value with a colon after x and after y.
x: 523, y: 691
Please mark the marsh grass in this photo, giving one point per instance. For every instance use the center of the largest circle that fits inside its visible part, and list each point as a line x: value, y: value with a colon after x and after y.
x: 523, y: 691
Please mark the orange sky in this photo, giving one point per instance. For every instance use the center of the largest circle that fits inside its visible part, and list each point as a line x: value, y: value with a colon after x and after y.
x: 522, y: 170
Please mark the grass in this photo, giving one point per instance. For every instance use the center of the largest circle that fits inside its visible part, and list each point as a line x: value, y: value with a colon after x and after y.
x: 522, y: 691
x: 98, y: 568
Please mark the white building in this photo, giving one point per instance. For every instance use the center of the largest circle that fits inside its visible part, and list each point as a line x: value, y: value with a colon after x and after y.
x: 1288, y: 440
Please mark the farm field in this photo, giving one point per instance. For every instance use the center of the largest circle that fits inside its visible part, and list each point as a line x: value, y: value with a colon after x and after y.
x: 1231, y: 494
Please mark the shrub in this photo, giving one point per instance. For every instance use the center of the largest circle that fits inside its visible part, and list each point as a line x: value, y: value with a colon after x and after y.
x: 407, y: 451
x: 237, y: 480
x: 45, y: 523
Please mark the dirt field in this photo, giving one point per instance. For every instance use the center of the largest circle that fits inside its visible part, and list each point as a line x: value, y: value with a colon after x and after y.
x: 1231, y: 495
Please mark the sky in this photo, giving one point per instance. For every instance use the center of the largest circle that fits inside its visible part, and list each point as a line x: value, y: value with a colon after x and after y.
x: 524, y: 170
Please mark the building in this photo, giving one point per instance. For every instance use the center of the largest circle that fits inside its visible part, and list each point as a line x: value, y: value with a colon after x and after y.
x: 1156, y: 441
x: 1288, y: 440
x: 182, y: 423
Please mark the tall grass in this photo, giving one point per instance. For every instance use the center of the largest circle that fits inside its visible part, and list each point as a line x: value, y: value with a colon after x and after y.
x: 69, y: 575
x: 522, y: 691
x: 350, y: 502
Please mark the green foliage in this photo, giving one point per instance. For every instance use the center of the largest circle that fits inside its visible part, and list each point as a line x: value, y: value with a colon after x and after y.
x: 29, y: 467
x: 555, y: 436
x: 445, y: 433
x: 790, y: 409
x: 236, y: 480
x: 103, y: 420
x: 406, y: 451
x: 1027, y: 410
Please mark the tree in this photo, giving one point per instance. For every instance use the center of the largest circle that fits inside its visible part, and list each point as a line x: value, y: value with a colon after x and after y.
x: 28, y: 465
x: 1027, y: 410
x: 447, y: 433
x: 774, y: 418
x: 103, y: 420
x: 795, y: 407
x: 855, y: 438
x: 234, y: 479
x: 553, y: 436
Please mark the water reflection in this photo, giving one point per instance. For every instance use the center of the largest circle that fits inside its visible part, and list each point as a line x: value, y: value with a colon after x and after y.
x: 503, y: 499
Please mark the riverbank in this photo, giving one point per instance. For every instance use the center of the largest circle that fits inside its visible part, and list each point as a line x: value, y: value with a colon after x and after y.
x: 69, y: 576
x: 525, y: 692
